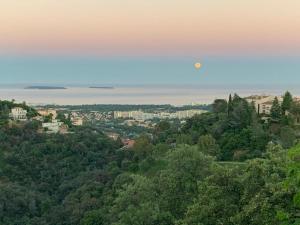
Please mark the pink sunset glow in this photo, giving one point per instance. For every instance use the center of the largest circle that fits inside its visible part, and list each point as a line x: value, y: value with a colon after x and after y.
x: 133, y: 27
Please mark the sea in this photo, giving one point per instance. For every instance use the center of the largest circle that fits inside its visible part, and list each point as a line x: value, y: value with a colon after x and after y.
x: 144, y: 80
x: 177, y: 95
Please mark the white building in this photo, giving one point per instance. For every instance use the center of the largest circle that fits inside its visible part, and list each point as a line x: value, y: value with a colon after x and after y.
x: 52, y: 127
x: 18, y: 113
x: 188, y: 113
x: 142, y: 116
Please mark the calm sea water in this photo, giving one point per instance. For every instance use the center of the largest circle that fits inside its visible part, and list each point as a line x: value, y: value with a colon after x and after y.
x: 175, y: 95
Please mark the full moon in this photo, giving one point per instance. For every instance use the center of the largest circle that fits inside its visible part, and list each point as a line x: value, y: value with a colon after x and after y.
x: 197, y: 65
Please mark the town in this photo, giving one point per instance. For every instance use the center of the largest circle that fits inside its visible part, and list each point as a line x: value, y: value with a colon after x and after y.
x: 51, y: 116
x: 124, y: 124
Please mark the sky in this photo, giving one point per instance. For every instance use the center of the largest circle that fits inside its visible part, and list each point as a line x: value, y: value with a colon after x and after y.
x: 157, y: 41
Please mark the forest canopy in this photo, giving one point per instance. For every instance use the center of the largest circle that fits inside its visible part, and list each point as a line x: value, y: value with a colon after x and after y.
x: 230, y: 166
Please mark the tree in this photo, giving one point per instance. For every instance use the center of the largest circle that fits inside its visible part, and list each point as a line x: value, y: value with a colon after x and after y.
x: 207, y: 144
x: 217, y: 201
x: 66, y: 120
x: 53, y: 179
x: 220, y: 106
x: 287, y: 137
x: 142, y: 146
x: 230, y: 106
x: 275, y: 112
x: 248, y: 193
x: 290, y: 215
x: 241, y: 113
x: 162, y: 126
x: 94, y: 217
x: 162, y: 131
x: 177, y: 183
x: 287, y: 102
x: 184, y: 139
x: 48, y: 118
x: 136, y: 204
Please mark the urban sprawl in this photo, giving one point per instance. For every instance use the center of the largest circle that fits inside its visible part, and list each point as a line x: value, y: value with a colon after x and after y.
x: 113, y: 123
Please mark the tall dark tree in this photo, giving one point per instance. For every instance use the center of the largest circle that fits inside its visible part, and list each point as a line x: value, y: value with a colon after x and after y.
x: 276, y: 110
x: 287, y: 102
x: 230, y: 106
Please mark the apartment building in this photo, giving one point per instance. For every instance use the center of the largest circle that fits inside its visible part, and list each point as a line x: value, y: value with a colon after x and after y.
x: 140, y: 115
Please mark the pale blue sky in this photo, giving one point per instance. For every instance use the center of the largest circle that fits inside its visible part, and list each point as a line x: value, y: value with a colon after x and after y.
x: 118, y: 71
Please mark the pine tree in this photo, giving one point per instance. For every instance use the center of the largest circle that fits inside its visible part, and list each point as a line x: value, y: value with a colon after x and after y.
x: 276, y: 110
x: 287, y: 102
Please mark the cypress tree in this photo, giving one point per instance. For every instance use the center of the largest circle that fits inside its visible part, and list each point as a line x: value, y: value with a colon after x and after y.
x: 276, y: 110
x: 287, y: 102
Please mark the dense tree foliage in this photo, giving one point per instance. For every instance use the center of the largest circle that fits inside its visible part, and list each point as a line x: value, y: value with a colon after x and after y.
x: 287, y: 102
x: 226, y: 167
x: 276, y: 110
x: 53, y: 179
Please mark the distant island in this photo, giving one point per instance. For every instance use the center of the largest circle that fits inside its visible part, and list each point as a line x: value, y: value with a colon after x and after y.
x: 102, y: 87
x: 45, y: 87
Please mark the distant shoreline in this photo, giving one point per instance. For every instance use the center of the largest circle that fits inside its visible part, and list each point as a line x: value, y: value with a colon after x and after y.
x: 100, y: 87
x: 174, y: 95
x: 45, y: 88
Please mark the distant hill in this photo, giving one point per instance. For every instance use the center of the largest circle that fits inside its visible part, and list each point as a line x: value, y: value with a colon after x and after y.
x: 45, y: 87
x: 102, y: 87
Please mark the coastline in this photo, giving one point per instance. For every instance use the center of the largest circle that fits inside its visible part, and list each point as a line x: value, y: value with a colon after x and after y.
x: 174, y: 95
x: 44, y: 88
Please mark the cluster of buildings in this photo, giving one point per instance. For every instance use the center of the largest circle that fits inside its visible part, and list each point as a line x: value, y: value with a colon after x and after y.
x: 48, y: 118
x: 53, y: 125
x: 78, y: 117
x: 142, y: 116
x: 262, y: 103
x: 75, y: 118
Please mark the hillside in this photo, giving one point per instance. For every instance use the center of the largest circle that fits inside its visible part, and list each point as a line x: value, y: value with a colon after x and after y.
x: 224, y: 167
